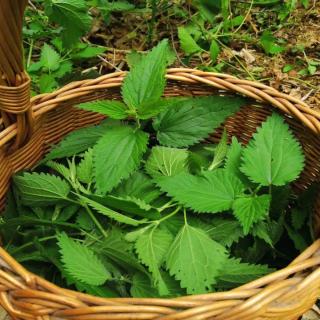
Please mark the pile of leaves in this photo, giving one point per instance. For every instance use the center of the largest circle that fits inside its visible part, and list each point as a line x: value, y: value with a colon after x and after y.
x: 142, y: 205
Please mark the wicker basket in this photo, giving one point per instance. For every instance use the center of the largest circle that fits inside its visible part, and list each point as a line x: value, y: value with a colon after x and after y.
x: 29, y: 127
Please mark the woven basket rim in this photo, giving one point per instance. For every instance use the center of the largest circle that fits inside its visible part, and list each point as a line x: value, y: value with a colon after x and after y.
x: 289, y: 105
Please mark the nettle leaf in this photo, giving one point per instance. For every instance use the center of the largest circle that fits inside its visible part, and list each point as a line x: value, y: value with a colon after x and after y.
x: 85, y: 167
x: 165, y: 161
x: 144, y: 85
x: 111, y: 108
x: 195, y: 259
x: 116, y: 155
x: 225, y: 231
x: 138, y: 186
x: 152, y: 246
x: 273, y: 156
x: 237, y: 272
x: 214, y: 191
x: 72, y: 15
x: 251, y: 209
x: 79, y: 141
x: 109, y: 212
x: 81, y: 263
x: 233, y: 158
x: 188, y: 44
x: 40, y: 189
x: 220, y: 152
x: 49, y: 58
x: 142, y: 287
x: 190, y: 120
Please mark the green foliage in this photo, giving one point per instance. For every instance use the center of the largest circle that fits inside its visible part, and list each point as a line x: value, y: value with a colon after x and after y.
x: 152, y: 246
x: 118, y: 214
x: 116, y: 155
x: 39, y: 189
x: 72, y: 15
x: 144, y: 85
x: 273, y: 156
x: 165, y: 161
x: 112, y: 109
x: 195, y: 259
x: 191, y: 120
x: 81, y: 263
x: 251, y: 209
x: 213, y: 192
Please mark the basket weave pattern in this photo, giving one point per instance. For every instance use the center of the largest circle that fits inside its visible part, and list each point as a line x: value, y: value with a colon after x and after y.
x: 30, y: 126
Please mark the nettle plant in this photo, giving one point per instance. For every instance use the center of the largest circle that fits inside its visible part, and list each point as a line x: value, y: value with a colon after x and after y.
x: 139, y: 205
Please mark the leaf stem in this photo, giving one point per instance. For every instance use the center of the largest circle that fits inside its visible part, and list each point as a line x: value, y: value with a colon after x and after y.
x: 185, y: 216
x: 29, y: 244
x: 95, y: 220
x: 169, y: 215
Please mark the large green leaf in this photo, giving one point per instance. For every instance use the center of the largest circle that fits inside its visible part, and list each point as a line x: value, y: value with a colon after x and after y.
x: 152, y: 246
x: 40, y: 189
x: 109, y: 212
x: 213, y: 192
x: 116, y: 155
x: 190, y: 120
x: 144, y: 85
x: 111, y: 108
x: 165, y: 161
x: 81, y: 263
x: 251, y: 209
x: 72, y: 15
x: 237, y: 272
x: 79, y: 141
x: 273, y: 156
x: 138, y: 186
x: 195, y: 259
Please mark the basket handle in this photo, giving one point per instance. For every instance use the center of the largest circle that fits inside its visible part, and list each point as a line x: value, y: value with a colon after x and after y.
x: 14, y: 82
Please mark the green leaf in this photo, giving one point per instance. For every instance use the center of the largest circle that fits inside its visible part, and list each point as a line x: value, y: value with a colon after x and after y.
x: 225, y: 231
x: 49, y: 58
x: 109, y: 212
x: 59, y: 168
x: 188, y: 44
x: 195, y: 259
x: 144, y: 85
x: 261, y: 230
x: 298, y: 218
x: 78, y: 141
x: 85, y: 167
x: 273, y: 156
x: 39, y: 189
x: 213, y: 192
x: 138, y: 186
x: 214, y: 51
x: 233, y: 158
x: 298, y: 240
x: 88, y: 52
x: 111, y: 108
x: 251, y: 209
x: 81, y: 263
x: 129, y: 205
x: 47, y: 83
x: 152, y: 246
x: 237, y: 272
x: 190, y: 120
x: 142, y: 287
x: 165, y: 161
x: 116, y: 155
x: 72, y: 15
x: 220, y: 152
x: 268, y: 42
